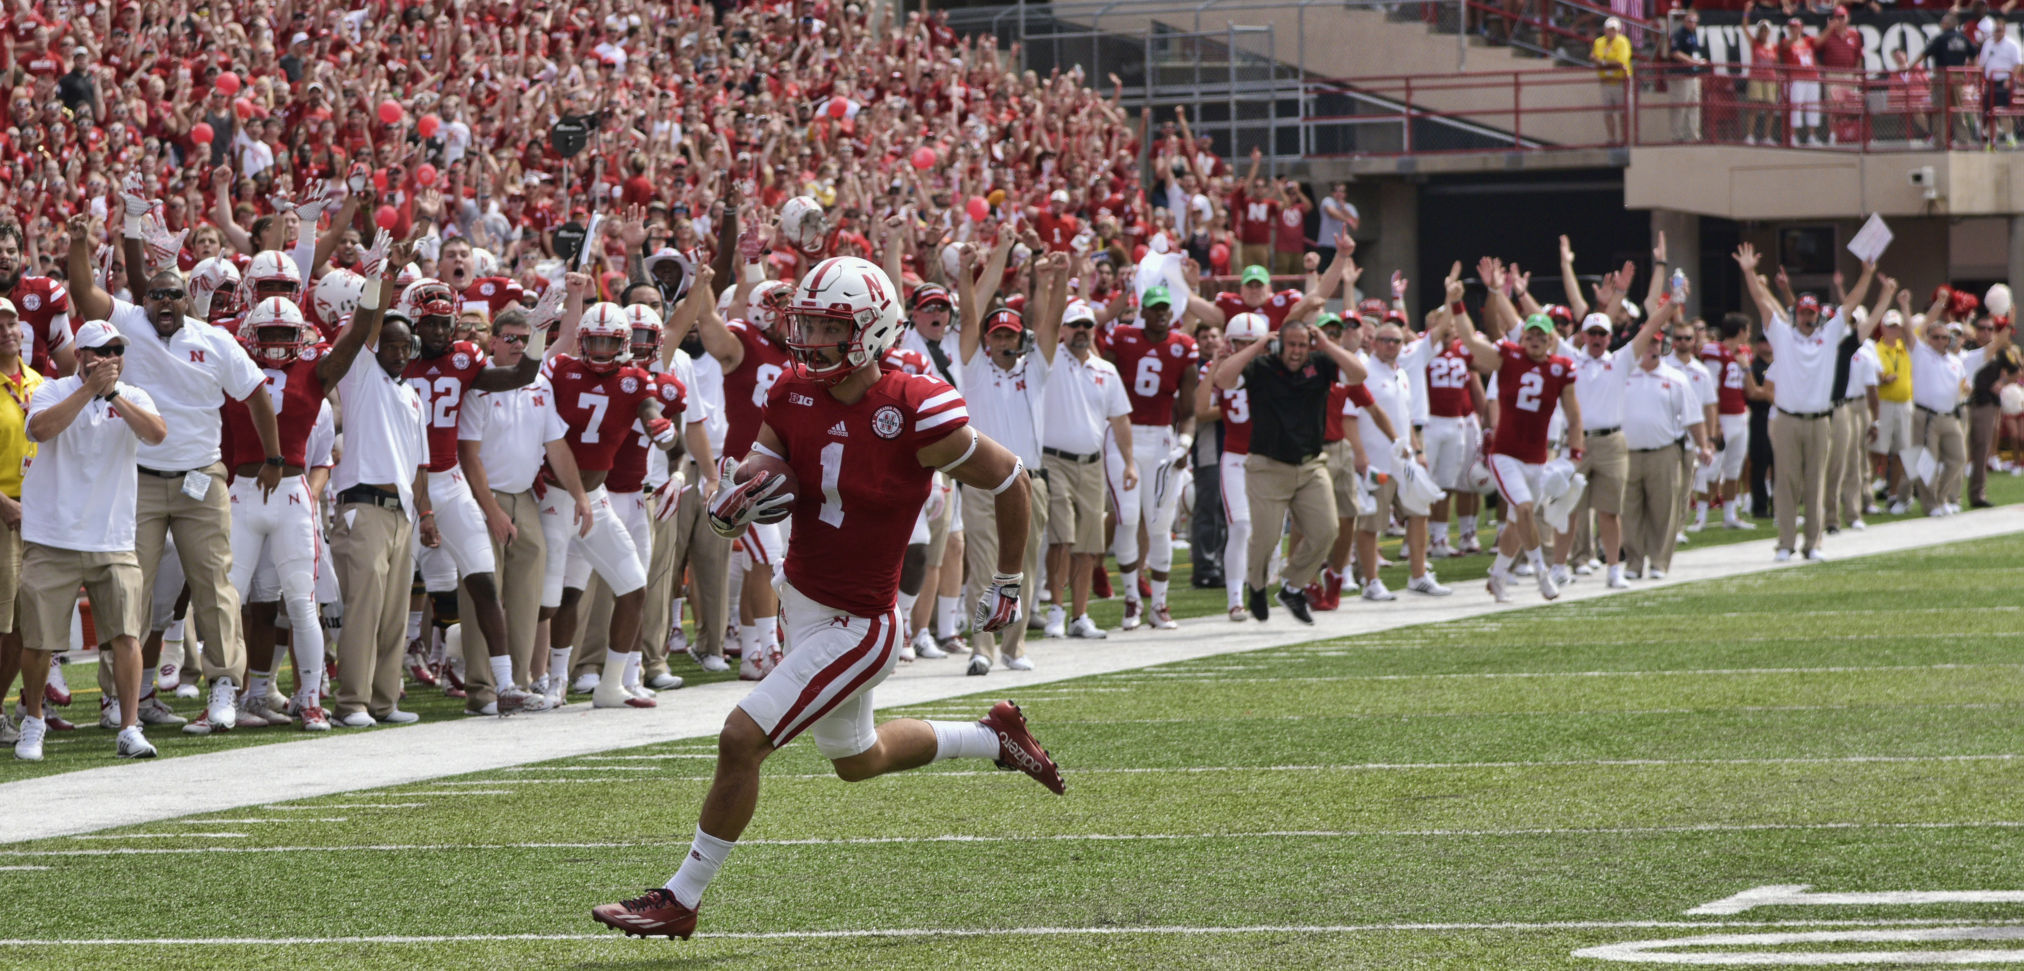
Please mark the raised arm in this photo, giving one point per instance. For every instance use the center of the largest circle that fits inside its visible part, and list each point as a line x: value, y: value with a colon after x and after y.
x: 1353, y: 369
x: 381, y: 266
x: 1575, y: 301
x: 87, y: 300
x: 1853, y: 298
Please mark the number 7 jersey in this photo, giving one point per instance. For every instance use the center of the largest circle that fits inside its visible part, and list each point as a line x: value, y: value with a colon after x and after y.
x: 861, y: 483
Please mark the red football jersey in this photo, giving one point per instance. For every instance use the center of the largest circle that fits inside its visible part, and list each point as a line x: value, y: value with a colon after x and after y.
x: 850, y: 531
x: 629, y: 466
x: 907, y: 361
x: 1448, y: 383
x: 1235, y: 404
x: 1728, y: 372
x: 1341, y: 398
x: 442, y: 383
x: 1152, y: 371
x: 490, y: 295
x: 39, y: 300
x: 747, y: 388
x: 1527, y: 393
x: 1057, y: 232
x: 297, y: 392
x: 600, y: 409
x: 1275, y: 308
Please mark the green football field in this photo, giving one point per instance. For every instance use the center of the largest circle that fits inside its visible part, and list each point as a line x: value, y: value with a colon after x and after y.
x: 1494, y: 793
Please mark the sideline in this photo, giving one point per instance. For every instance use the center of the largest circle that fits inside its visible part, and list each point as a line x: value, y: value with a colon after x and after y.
x: 95, y: 799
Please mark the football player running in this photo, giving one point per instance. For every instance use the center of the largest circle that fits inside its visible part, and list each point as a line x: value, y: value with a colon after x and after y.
x: 838, y: 408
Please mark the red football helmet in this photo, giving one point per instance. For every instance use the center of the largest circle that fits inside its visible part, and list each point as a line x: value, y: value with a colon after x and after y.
x: 850, y: 291
x: 276, y: 332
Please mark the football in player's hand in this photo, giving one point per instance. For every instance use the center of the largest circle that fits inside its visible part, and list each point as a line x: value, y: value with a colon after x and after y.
x: 759, y: 463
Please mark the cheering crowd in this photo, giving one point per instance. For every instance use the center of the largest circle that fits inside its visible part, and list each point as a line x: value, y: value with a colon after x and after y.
x: 306, y: 349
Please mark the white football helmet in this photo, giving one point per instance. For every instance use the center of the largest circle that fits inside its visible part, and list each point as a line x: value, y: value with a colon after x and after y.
x: 1479, y: 479
x: 802, y: 223
x: 274, y: 314
x: 336, y: 296
x: 214, y: 289
x: 1998, y: 299
x: 644, y: 324
x: 604, y: 321
x: 275, y: 269
x: 850, y: 291
x: 766, y: 303
x: 1247, y: 327
x: 488, y: 265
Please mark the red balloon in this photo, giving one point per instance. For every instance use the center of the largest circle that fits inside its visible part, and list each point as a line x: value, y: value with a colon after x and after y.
x: 227, y: 82
x: 838, y: 107
x: 390, y: 112
x: 1219, y: 255
x: 386, y: 218
x: 201, y: 133
x: 924, y: 158
x: 425, y: 174
x: 379, y: 179
x: 427, y: 125
x: 978, y: 208
x: 243, y: 108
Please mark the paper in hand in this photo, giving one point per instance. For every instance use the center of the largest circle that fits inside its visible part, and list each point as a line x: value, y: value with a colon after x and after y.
x: 1871, y: 240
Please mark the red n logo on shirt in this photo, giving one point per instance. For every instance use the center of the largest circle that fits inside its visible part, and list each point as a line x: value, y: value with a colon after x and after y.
x: 196, y: 357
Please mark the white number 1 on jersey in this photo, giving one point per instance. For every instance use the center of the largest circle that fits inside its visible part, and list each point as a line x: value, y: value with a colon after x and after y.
x: 832, y: 501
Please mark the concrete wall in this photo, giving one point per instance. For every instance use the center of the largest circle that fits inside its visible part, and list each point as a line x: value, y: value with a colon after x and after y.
x: 1776, y: 183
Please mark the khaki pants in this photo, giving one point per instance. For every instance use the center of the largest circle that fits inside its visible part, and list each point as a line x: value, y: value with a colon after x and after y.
x: 1982, y: 421
x: 1287, y: 263
x: 373, y: 551
x: 1075, y: 504
x: 1304, y: 491
x: 49, y: 597
x: 1340, y: 459
x: 203, y: 532
x: 664, y: 576
x: 1842, y: 457
x: 707, y: 557
x: 1799, y: 448
x: 1941, y: 434
x: 1605, y: 463
x: 519, y: 583
x: 10, y: 578
x: 1254, y: 254
x: 1686, y: 92
x: 980, y: 561
x: 1650, y: 507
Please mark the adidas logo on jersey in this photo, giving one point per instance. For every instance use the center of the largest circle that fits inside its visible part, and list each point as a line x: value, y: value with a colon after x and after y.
x: 839, y: 431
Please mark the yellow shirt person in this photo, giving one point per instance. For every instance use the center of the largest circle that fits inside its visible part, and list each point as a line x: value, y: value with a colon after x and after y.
x: 1611, y: 52
x: 1894, y: 382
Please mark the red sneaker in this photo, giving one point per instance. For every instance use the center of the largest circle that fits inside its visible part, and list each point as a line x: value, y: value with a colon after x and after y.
x: 56, y: 722
x: 1331, y: 586
x: 655, y: 912
x: 1018, y: 749
x: 56, y: 694
x: 1099, y: 584
x: 418, y: 665
x: 1317, y: 597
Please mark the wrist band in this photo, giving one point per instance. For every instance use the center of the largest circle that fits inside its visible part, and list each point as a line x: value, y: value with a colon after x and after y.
x: 1457, y: 308
x: 370, y: 298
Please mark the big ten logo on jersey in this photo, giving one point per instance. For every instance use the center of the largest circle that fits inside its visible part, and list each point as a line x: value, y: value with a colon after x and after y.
x: 440, y: 398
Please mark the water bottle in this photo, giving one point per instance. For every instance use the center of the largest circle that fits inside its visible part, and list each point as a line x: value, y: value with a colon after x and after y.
x: 1679, y: 284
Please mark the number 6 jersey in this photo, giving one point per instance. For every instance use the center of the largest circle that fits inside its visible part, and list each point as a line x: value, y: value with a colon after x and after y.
x: 861, y: 483
x: 1152, y: 371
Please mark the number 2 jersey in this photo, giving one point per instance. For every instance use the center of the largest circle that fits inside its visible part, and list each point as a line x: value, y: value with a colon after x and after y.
x: 1528, y: 391
x: 860, y: 482
x: 1728, y: 372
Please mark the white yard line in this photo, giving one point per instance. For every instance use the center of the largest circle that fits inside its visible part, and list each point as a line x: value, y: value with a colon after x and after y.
x: 1105, y: 931
x: 101, y: 798
x: 1316, y: 834
x: 356, y: 805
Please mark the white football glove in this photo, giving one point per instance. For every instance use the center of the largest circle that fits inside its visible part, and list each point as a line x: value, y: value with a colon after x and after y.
x: 998, y: 606
x: 548, y: 309
x: 161, y: 245
x: 133, y: 196
x: 373, y: 259
x: 738, y: 504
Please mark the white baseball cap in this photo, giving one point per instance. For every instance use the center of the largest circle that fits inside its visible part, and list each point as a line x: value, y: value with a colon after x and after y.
x: 96, y: 334
x: 1594, y: 321
x: 7, y: 307
x: 1612, y: 24
x: 1060, y: 196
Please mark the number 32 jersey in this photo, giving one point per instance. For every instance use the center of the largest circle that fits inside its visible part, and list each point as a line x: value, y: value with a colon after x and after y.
x: 1527, y: 393
x: 442, y: 383
x: 861, y: 483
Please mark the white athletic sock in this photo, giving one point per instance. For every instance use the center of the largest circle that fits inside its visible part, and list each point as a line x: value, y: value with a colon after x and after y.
x: 1438, y: 532
x: 1502, y: 564
x: 414, y: 626
x: 706, y: 854
x: 1159, y: 591
x: 1129, y: 584
x: 947, y: 609
x: 1534, y: 557
x: 769, y: 633
x: 748, y: 635
x: 614, y: 670
x: 256, y: 683
x: 174, y: 632
x: 964, y: 740
x: 907, y: 601
x: 680, y: 602
x: 632, y: 669
x: 558, y: 664
x: 148, y: 682
x: 502, y: 671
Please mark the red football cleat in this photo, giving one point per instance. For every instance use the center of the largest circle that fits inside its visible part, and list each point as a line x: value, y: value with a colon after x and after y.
x: 56, y: 694
x: 1145, y: 588
x: 1018, y: 749
x: 1099, y: 584
x: 1331, y: 584
x: 655, y: 912
x: 1317, y: 598
x: 418, y: 665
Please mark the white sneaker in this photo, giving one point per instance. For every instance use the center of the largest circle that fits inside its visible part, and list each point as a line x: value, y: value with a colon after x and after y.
x: 1057, y: 622
x: 1375, y: 591
x: 490, y: 708
x: 1858, y: 524
x: 169, y: 677
x: 751, y: 667
x: 1953, y: 508
x: 713, y: 663
x: 1899, y: 508
x: 979, y: 664
x: 1655, y: 574
x: 1583, y: 569
x: 1132, y: 610
x: 586, y: 684
x: 1019, y: 663
x: 250, y: 714
x: 1497, y: 583
x: 1697, y: 525
x: 1239, y: 615
x: 1815, y: 556
x: 1160, y: 618
x: 1086, y: 629
x: 1782, y: 556
x: 1425, y: 583
x: 1522, y: 568
x: 1680, y: 538
x: 187, y: 691
x: 1562, y: 576
x: 1440, y: 550
x: 108, y: 713
x: 1616, y: 580
x: 133, y: 745
x: 1547, y: 588
x: 925, y: 646
x: 664, y: 682
x: 399, y: 717
x: 28, y: 747
x: 358, y: 719
x: 224, y: 706
x: 153, y: 712
x: 8, y: 733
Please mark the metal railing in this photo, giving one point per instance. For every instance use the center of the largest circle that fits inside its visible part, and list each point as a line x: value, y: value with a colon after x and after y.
x: 1391, y: 116
x: 1832, y: 110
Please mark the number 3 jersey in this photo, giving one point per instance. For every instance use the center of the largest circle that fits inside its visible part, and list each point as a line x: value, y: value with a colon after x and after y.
x: 861, y: 483
x: 297, y: 393
x: 599, y: 407
x: 442, y: 382
x: 1528, y: 391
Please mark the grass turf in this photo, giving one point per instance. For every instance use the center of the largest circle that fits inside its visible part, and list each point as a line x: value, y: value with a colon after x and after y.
x: 1473, y: 794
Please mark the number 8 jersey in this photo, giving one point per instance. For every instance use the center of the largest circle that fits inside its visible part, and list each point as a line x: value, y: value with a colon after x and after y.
x: 1528, y: 391
x: 861, y: 483
x: 1152, y: 371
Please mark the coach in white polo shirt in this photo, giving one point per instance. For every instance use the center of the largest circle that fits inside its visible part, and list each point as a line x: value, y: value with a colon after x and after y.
x: 77, y: 525
x: 1084, y: 395
x: 502, y: 439
x: 1600, y: 374
x: 1005, y: 386
x: 190, y: 368
x: 1661, y: 408
x: 381, y: 483
x: 1939, y: 377
x: 1804, y: 346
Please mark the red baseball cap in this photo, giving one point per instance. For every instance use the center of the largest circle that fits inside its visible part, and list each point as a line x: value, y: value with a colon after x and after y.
x: 1809, y: 302
x: 1004, y: 319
